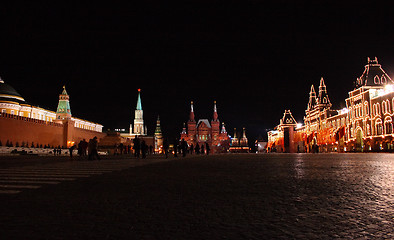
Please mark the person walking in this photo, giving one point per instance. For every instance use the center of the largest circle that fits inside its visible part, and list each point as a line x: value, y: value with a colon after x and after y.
x: 191, y: 149
x: 176, y: 148
x: 92, y: 148
x: 184, y: 147
x: 207, y: 148
x: 197, y: 149
x: 165, y: 147
x: 144, y: 149
x: 71, y: 149
x: 136, y: 147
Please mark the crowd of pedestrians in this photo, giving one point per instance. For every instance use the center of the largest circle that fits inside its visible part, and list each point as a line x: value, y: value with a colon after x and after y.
x: 89, y: 150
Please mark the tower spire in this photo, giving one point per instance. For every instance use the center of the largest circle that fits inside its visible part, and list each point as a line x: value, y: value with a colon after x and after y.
x: 312, y: 98
x: 215, y: 112
x: 139, y: 128
x: 324, y: 101
x: 191, y: 118
x: 63, y: 108
x: 139, y: 105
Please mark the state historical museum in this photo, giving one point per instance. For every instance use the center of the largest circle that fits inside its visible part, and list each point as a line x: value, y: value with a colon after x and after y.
x: 206, y: 132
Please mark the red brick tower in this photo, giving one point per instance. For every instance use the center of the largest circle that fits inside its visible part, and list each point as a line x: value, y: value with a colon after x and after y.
x: 191, y: 126
x: 215, y: 128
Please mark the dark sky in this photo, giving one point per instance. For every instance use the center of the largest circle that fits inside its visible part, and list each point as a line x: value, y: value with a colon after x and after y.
x: 255, y: 58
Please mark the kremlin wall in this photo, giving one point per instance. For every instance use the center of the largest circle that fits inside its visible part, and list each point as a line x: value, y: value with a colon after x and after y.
x: 25, y: 124
x: 365, y: 125
x: 22, y: 124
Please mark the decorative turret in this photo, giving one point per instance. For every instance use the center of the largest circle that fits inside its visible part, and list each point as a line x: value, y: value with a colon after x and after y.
x: 373, y: 75
x: 184, y: 129
x: 158, y: 136
x: 223, y: 131
x: 244, y: 140
x: 139, y: 128
x: 312, y: 99
x: 235, y: 141
x: 324, y: 101
x: 63, y: 108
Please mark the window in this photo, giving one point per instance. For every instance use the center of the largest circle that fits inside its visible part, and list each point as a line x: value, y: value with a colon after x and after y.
x: 379, y: 127
x: 3, y: 111
x: 12, y: 112
x: 388, y: 125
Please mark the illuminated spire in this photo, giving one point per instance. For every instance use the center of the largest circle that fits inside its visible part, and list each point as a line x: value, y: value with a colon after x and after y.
x: 324, y: 101
x: 223, y: 128
x: 158, y: 127
x: 63, y: 108
x: 312, y: 98
x: 215, y: 112
x: 139, y: 106
x: 191, y: 118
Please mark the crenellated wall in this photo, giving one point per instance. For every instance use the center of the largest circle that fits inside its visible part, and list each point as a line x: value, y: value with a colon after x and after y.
x: 19, y: 129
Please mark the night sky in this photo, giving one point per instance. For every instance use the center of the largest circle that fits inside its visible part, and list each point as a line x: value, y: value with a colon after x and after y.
x: 255, y: 58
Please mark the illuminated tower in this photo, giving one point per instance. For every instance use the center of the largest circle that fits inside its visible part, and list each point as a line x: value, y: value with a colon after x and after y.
x: 63, y: 107
x: 323, y: 100
x: 243, y: 141
x: 215, y: 126
x: 191, y: 126
x: 312, y: 99
x: 234, y: 141
x: 158, y: 136
x: 139, y: 128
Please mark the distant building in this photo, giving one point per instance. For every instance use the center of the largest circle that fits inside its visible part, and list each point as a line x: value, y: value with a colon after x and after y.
x: 140, y: 130
x: 364, y: 125
x: 239, y: 145
x: 21, y: 122
x: 205, y: 131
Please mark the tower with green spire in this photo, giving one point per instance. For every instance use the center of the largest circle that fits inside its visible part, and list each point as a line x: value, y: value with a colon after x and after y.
x: 158, y: 136
x: 139, y: 128
x: 63, y: 108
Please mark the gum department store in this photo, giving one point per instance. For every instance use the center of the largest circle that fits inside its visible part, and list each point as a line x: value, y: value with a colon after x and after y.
x: 364, y: 125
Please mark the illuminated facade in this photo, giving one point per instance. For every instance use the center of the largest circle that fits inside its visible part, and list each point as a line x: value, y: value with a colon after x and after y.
x: 203, y: 131
x: 364, y: 125
x: 239, y: 145
x: 22, y: 122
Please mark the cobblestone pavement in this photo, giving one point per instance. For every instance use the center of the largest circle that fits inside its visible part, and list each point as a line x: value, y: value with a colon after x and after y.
x: 245, y: 196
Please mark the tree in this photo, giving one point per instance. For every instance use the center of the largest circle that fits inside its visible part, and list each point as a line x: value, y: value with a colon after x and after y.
x: 7, y: 143
x: 17, y: 144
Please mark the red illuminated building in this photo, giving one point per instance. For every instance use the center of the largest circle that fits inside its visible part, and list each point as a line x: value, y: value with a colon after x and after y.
x: 203, y: 131
x: 364, y: 125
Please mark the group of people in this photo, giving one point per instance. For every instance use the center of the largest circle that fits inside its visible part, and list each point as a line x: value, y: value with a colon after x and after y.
x: 184, y: 148
x: 140, y: 147
x: 86, y: 149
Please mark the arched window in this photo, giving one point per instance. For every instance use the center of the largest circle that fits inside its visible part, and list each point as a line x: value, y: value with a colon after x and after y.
x: 388, y: 106
x: 376, y: 79
x: 388, y: 125
x: 378, y: 127
x: 383, y: 79
x: 366, y: 108
x: 378, y: 109
x: 368, y: 129
x: 384, y: 107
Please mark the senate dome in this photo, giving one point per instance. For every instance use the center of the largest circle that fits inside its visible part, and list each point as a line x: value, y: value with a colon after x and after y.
x: 8, y: 93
